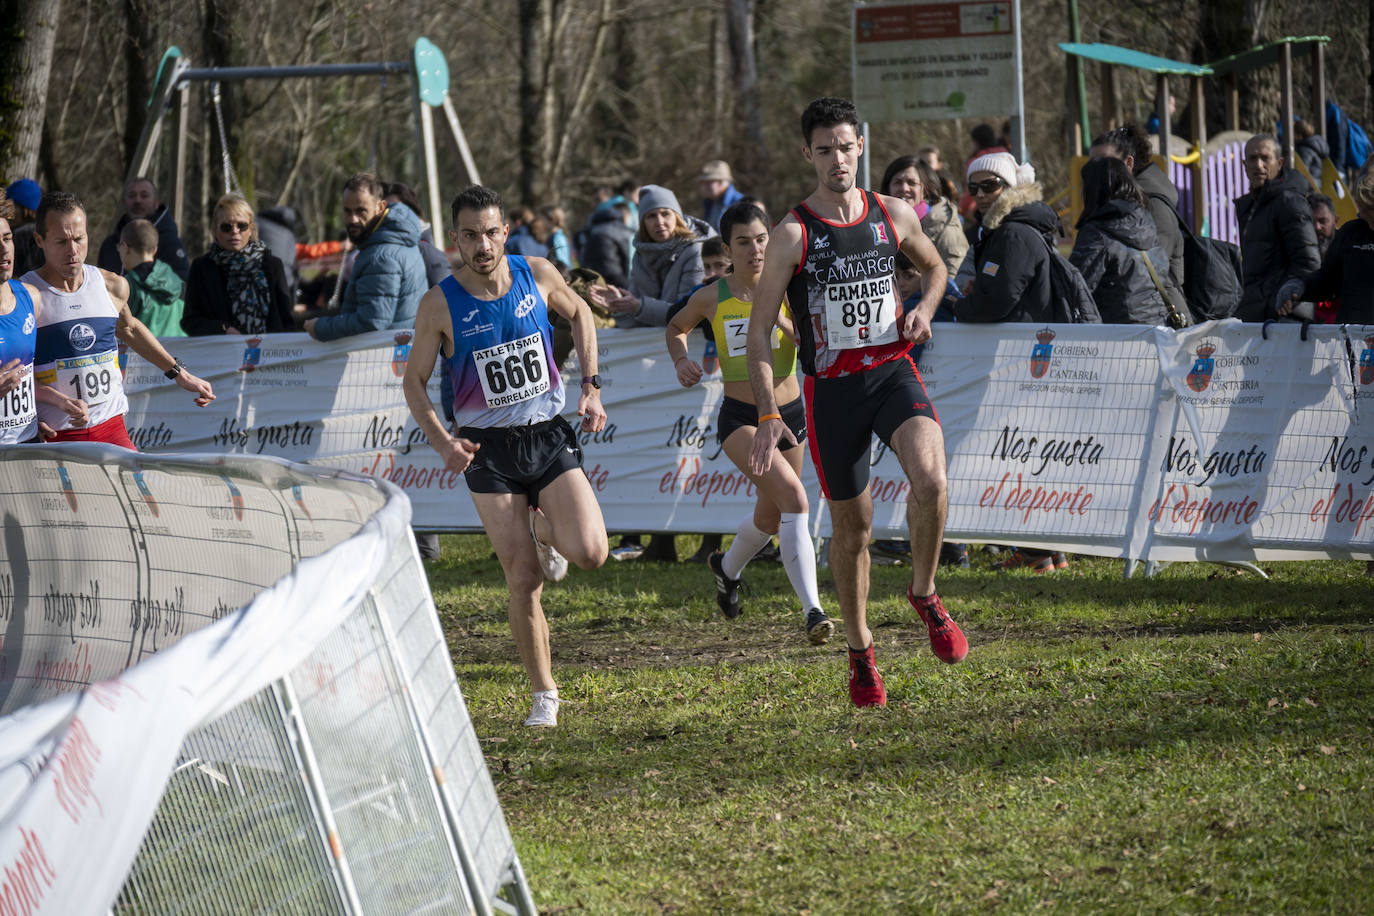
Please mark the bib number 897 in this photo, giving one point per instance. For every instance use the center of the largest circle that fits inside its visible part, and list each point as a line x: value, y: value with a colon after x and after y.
x: 861, y: 312
x: 91, y: 386
x: 515, y: 371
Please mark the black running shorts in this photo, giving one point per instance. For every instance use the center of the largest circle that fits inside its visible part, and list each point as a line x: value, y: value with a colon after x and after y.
x: 843, y: 413
x: 735, y: 413
x: 521, y: 459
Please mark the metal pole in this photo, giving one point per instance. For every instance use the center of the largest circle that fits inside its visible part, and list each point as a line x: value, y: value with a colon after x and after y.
x: 1319, y: 91
x: 1019, y: 121
x: 436, y: 217
x: 1286, y: 101
x: 461, y: 139
x: 227, y: 74
x: 179, y: 176
x: 311, y: 764
x: 1162, y: 112
x: 1080, y: 85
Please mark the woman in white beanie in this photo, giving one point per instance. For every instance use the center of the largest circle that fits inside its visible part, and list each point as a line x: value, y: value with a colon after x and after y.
x: 667, y: 262
x: 1010, y: 256
x: 1011, y: 271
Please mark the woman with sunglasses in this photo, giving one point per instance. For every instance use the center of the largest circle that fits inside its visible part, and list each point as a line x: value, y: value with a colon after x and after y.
x: 238, y: 286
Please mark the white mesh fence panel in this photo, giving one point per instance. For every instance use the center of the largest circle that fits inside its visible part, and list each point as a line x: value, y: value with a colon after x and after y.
x: 309, y: 752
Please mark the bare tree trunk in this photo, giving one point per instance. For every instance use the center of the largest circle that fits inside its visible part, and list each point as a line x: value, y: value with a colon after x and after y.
x: 138, y: 42
x: 1229, y: 27
x: 574, y: 115
x: 744, y: 81
x: 26, y: 51
x: 536, y: 99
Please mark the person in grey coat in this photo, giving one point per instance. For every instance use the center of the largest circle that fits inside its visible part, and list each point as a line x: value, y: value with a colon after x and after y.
x: 667, y: 262
x: 1131, y: 145
x: 1277, y: 241
x: 1115, y: 235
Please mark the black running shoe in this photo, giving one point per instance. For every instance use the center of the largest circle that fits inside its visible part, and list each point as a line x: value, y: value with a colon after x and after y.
x: 818, y: 626
x: 727, y: 589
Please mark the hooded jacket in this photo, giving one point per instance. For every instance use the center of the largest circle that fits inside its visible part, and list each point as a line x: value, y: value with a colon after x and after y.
x: 276, y: 229
x: 1277, y: 241
x: 387, y: 282
x: 607, y: 247
x: 663, y: 273
x: 155, y: 298
x: 1161, y: 198
x: 1312, y: 151
x: 1108, y: 252
x: 1011, y: 260
x: 170, y: 249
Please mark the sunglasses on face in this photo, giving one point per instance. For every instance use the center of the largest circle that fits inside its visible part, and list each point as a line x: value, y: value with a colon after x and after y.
x: 985, y: 187
x: 227, y: 228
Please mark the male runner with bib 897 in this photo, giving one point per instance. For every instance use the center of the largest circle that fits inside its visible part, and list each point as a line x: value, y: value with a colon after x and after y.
x: 522, y: 461
x: 834, y: 257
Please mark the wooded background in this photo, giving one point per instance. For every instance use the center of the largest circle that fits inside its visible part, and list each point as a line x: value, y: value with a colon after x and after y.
x: 557, y: 96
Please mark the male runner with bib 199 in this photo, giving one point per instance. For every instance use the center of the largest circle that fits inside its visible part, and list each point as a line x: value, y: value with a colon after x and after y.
x: 521, y: 459
x: 83, y: 310
x: 834, y: 257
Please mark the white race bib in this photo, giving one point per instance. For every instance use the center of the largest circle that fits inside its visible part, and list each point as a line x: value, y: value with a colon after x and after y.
x: 512, y: 372
x: 19, y: 408
x: 93, y: 379
x: 860, y: 314
x: 737, y: 336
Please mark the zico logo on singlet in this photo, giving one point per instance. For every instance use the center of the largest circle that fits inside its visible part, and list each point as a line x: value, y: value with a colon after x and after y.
x: 512, y: 372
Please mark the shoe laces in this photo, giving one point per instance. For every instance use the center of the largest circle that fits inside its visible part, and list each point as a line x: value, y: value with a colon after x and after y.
x: 937, y: 618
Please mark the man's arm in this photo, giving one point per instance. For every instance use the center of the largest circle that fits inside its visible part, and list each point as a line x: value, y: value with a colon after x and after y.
x: 780, y: 262
x: 573, y: 307
x: 134, y: 333
x: 922, y: 252
x: 432, y: 329
x: 376, y: 290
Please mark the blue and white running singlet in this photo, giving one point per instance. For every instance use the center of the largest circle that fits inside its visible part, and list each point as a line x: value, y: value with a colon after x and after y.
x: 18, y: 332
x: 78, y: 353
x: 502, y: 364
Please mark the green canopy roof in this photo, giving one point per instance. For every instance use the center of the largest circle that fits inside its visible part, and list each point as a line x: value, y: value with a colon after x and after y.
x: 1264, y: 55
x: 1128, y: 57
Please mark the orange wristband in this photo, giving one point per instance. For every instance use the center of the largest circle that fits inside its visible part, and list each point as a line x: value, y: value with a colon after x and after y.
x: 770, y: 416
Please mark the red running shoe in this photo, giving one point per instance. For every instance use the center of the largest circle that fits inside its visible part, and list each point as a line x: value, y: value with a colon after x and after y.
x: 865, y: 683
x: 946, y: 639
x: 1019, y: 559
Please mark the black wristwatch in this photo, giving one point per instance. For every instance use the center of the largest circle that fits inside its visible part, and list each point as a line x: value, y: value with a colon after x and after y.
x: 593, y: 380
x: 177, y: 366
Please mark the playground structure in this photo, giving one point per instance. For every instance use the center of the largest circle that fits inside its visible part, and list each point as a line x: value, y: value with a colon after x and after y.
x: 1210, y: 174
x: 426, y: 68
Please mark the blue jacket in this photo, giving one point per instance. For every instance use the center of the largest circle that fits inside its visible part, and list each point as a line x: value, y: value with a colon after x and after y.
x: 712, y: 210
x: 387, y: 282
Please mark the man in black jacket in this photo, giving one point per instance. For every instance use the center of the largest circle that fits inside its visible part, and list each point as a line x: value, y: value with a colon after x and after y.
x: 1277, y: 241
x: 607, y: 249
x: 141, y: 202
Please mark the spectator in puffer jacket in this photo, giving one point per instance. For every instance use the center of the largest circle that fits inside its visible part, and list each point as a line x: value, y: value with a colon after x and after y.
x: 1277, y: 241
x: 388, y: 276
x: 1346, y: 275
x: 1010, y: 279
x: 1115, y: 235
x: 1131, y: 145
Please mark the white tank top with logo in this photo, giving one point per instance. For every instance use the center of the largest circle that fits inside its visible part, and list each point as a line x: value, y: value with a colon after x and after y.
x: 77, y: 351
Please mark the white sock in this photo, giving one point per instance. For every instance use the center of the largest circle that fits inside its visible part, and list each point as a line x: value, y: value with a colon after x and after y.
x: 748, y: 542
x: 799, y: 558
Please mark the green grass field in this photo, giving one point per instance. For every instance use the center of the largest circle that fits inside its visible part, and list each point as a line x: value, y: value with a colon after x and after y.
x: 1199, y: 742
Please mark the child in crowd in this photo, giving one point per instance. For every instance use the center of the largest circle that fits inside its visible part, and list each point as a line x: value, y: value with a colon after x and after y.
x: 154, y: 288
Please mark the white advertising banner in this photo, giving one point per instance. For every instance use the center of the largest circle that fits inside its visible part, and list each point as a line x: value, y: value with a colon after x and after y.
x: 935, y: 60
x: 1117, y: 440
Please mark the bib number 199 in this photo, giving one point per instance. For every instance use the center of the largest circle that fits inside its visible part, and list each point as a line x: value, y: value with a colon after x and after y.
x: 92, y: 385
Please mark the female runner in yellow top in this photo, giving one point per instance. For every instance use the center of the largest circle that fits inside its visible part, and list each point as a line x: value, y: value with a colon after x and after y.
x: 782, y: 507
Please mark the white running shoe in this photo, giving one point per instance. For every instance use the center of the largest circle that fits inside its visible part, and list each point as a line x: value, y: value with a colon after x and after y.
x: 553, y: 563
x: 545, y: 711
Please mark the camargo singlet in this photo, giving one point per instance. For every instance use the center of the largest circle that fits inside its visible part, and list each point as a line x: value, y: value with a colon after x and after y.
x: 730, y: 327
x: 845, y: 292
x: 502, y: 364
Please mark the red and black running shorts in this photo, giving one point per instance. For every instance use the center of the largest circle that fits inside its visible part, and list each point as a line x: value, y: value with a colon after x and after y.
x: 521, y: 459
x: 112, y: 431
x: 843, y: 414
